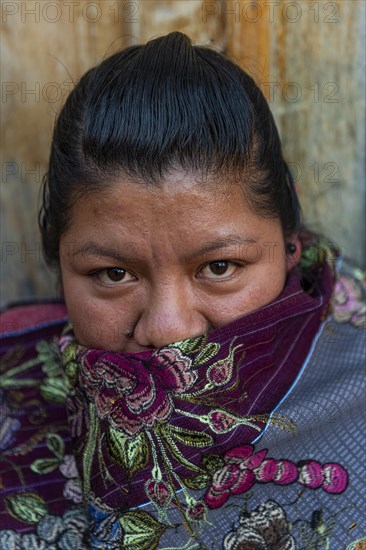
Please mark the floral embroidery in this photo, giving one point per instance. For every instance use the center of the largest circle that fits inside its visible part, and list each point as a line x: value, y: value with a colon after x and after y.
x: 134, y: 529
x: 268, y: 527
x: 77, y: 414
x: 159, y: 493
x: 54, y: 386
x: 241, y: 468
x: 138, y: 397
x: 357, y: 545
x: 150, y: 427
x: 332, y: 478
x: 265, y: 528
x: 9, y: 424
x: 66, y: 464
x: 348, y: 302
x: 133, y: 396
x: 51, y: 532
x: 72, y: 489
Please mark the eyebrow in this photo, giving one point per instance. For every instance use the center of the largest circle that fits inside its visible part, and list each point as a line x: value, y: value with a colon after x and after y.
x: 93, y: 249
x: 129, y: 256
x: 229, y: 240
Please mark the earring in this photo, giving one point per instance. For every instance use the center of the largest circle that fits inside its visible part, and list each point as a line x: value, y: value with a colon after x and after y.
x: 291, y: 248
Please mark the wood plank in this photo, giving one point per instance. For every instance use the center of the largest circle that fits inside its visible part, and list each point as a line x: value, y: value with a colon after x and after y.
x: 309, y: 59
x: 42, y: 53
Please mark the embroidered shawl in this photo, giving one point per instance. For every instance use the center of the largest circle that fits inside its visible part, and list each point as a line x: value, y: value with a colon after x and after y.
x: 152, y: 444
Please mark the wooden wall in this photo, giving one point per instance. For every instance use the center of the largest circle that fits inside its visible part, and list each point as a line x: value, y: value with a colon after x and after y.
x: 44, y: 49
x: 308, y: 58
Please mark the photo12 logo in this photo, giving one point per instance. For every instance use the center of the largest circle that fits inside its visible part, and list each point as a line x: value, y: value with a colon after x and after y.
x: 270, y: 11
x: 35, y: 92
x: 53, y: 12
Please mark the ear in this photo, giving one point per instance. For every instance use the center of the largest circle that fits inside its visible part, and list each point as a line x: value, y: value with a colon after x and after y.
x: 292, y: 256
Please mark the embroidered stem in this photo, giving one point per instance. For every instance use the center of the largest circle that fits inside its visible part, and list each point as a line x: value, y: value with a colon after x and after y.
x: 169, y: 472
x: 21, y: 368
x: 156, y: 472
x: 103, y: 468
x: 25, y: 382
x: 16, y: 468
x: 90, y: 447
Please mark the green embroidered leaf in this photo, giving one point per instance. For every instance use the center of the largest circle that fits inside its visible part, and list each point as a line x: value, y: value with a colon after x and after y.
x: 44, y: 349
x: 48, y: 355
x: 55, y: 390
x: 279, y: 421
x: 69, y: 353
x: 207, y: 353
x: 188, y: 346
x: 55, y: 443
x: 71, y: 370
x: 141, y: 530
x: 189, y: 437
x: 18, y: 383
x: 45, y: 465
x: 212, y: 463
x: 27, y: 507
x: 161, y: 429
x: 133, y: 454
x: 69, y: 363
x: 198, y: 482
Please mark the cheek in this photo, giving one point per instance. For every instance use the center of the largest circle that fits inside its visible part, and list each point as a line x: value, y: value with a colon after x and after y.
x: 263, y: 285
x: 99, y: 326
x: 260, y: 288
x: 97, y: 323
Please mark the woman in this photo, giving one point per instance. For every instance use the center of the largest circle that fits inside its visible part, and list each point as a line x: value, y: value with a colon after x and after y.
x: 207, y: 393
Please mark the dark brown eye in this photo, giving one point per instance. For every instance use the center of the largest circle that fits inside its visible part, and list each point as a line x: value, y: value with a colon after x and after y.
x: 115, y: 274
x: 219, y: 270
x: 219, y: 267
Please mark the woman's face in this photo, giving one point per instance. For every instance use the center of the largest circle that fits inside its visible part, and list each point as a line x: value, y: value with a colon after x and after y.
x: 143, y: 267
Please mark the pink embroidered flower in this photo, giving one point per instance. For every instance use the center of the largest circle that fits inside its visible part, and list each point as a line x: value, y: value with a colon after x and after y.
x: 335, y: 478
x: 331, y: 477
x: 197, y: 512
x: 132, y: 394
x: 158, y: 492
x: 222, y: 422
x: 243, y: 467
x: 267, y: 470
x: 286, y: 472
x: 348, y: 304
x: 220, y: 373
x: 310, y: 474
x: 280, y: 472
x: 235, y: 477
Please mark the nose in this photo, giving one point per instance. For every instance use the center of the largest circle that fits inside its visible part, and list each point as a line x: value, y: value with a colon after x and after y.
x: 169, y: 316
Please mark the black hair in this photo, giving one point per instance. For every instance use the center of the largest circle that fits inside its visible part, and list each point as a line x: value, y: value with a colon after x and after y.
x: 149, y: 109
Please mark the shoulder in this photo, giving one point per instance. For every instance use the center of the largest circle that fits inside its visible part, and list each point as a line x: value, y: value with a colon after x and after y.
x: 348, y: 304
x: 26, y: 317
x: 341, y: 339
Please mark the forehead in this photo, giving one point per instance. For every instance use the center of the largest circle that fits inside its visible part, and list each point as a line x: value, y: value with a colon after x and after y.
x: 179, y: 193
x: 183, y: 212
